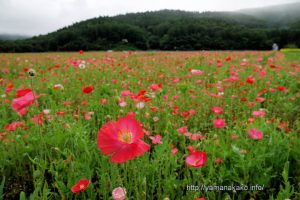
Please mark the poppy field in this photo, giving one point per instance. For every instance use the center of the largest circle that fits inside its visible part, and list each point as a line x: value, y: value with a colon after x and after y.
x: 150, y: 125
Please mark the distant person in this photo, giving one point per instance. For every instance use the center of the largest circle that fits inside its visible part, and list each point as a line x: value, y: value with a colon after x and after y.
x: 275, y: 47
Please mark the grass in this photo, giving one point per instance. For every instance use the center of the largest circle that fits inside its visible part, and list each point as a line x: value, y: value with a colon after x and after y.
x: 293, y: 56
x: 290, y: 50
x: 44, y: 161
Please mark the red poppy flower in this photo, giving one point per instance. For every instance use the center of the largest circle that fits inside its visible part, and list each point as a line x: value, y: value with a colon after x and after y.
x: 25, y: 98
x: 21, y: 93
x: 9, y: 87
x: 281, y: 88
x: 12, y: 126
x: 196, y: 159
x: 250, y: 79
x: 122, y: 139
x: 87, y: 90
x: 81, y: 185
x: 228, y: 59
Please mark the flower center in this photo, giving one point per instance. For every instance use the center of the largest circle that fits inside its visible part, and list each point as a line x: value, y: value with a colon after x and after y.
x: 81, y: 186
x: 196, y: 162
x: 125, y: 136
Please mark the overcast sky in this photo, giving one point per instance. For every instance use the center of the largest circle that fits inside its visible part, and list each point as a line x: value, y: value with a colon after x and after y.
x: 33, y: 17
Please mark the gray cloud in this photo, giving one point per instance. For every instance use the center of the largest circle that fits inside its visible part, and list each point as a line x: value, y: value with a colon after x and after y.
x: 33, y: 17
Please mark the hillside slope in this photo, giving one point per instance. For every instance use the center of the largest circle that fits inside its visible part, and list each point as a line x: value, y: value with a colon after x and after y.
x: 162, y: 30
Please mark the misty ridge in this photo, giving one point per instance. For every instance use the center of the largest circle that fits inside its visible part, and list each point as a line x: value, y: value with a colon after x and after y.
x: 251, y: 29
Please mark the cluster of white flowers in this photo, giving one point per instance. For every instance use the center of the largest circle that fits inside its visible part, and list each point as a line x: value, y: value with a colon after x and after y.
x: 82, y: 64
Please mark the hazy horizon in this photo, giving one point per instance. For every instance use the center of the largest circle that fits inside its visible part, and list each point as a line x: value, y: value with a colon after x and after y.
x: 35, y: 17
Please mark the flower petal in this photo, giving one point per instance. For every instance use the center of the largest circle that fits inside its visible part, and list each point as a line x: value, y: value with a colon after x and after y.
x: 130, y: 151
x: 129, y: 123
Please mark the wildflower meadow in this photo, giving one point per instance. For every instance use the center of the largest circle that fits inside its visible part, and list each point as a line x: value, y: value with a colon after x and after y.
x: 201, y: 125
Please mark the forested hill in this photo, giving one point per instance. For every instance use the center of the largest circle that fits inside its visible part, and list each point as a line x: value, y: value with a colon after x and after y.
x: 277, y: 15
x: 164, y: 30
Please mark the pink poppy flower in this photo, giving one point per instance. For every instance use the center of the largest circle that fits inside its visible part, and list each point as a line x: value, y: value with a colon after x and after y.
x: 122, y: 139
x: 25, y: 98
x: 260, y: 99
x: 250, y: 120
x: 255, y: 134
x: 196, y: 136
x: 156, y: 139
x: 182, y: 130
x: 155, y: 87
x: 88, y: 116
x: 119, y: 193
x: 196, y: 159
x: 219, y: 123
x: 192, y: 112
x: 58, y: 86
x: 188, y: 134
x: 233, y: 78
x: 262, y: 73
x: 217, y: 110
x: 258, y: 113
x: 190, y: 148
x: 140, y: 105
x: 196, y: 72
x: 174, y: 151
x: 125, y: 93
x: 38, y: 119
x: 122, y: 103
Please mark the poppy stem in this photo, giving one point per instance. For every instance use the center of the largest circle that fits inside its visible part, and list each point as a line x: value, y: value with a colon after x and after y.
x: 35, y: 101
x: 31, y: 85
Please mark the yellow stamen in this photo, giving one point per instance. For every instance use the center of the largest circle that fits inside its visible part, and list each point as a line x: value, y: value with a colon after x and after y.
x: 125, y: 136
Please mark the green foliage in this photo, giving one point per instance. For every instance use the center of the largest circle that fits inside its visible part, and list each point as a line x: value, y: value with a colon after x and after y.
x: 1, y: 188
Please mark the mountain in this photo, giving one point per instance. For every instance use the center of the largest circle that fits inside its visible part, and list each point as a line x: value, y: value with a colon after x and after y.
x: 8, y: 37
x: 167, y: 30
x: 278, y: 15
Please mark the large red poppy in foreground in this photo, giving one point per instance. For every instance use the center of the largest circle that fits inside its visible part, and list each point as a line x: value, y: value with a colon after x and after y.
x: 122, y: 139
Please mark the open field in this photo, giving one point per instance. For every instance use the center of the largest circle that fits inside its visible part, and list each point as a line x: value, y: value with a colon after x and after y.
x: 187, y: 124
